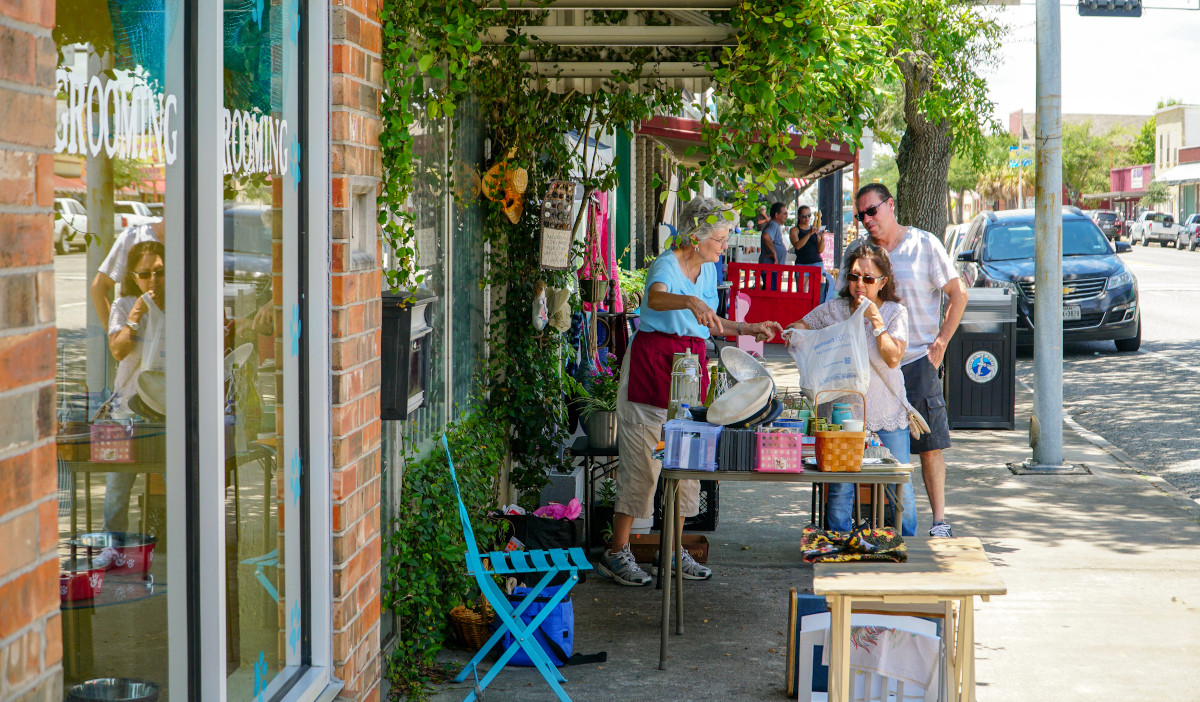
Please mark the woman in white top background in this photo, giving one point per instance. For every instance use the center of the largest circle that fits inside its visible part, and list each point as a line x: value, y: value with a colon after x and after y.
x: 870, y: 282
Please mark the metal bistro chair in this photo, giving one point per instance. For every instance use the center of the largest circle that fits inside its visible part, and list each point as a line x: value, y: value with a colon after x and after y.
x: 551, y: 562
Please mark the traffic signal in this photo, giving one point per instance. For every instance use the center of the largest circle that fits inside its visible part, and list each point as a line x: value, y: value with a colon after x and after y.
x: 1110, y: 8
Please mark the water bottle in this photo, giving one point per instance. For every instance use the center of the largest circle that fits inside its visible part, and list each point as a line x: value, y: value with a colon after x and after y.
x: 685, y: 412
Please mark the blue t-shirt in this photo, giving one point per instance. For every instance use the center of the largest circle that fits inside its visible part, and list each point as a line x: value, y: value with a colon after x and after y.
x: 666, y: 270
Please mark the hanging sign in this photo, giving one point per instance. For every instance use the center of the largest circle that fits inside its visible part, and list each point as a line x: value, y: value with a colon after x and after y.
x: 560, y: 208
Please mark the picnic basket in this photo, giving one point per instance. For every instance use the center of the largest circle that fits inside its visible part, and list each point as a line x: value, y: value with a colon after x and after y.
x: 473, y: 627
x: 841, y: 451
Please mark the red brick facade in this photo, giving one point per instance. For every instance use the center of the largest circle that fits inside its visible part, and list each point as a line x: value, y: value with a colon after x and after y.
x: 30, y: 628
x: 355, y: 329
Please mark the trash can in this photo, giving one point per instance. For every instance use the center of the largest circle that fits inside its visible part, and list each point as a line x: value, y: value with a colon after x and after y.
x: 981, y: 360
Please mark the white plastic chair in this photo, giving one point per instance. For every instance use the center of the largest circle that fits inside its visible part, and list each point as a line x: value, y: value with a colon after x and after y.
x: 866, y: 687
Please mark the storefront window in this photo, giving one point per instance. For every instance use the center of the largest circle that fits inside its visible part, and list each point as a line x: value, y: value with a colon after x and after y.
x: 118, y: 139
x: 260, y: 163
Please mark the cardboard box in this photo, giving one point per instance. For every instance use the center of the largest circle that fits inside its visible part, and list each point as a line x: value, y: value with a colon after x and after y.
x: 645, y: 546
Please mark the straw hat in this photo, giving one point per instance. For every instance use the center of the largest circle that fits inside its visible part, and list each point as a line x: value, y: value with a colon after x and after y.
x: 152, y: 392
x: 514, y: 205
x: 502, y: 179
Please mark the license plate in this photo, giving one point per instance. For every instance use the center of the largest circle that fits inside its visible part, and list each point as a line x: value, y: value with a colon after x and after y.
x: 1071, y: 312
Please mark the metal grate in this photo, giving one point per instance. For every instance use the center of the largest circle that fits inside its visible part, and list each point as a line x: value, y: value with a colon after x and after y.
x: 1081, y: 288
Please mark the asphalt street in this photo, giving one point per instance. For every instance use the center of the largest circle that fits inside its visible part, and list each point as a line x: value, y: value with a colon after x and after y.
x: 1145, y: 403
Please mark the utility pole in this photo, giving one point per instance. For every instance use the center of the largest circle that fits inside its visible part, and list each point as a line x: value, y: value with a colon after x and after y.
x: 1046, y: 434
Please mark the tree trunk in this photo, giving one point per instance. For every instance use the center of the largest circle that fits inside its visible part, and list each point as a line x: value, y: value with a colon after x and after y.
x: 962, y: 217
x: 923, y: 158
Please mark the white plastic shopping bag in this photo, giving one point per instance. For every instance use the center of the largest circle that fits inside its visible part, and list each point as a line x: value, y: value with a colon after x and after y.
x: 833, y: 358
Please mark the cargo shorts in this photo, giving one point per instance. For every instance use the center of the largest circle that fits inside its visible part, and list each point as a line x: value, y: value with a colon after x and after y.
x: 924, y: 390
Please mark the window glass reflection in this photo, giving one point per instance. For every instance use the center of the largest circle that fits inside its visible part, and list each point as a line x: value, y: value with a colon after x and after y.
x: 117, y: 130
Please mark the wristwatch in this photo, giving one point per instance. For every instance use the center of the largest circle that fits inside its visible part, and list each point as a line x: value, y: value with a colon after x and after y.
x: 133, y: 326
x: 878, y: 331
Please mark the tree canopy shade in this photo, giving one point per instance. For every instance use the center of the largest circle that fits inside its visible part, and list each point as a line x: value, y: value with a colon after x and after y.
x: 1088, y: 158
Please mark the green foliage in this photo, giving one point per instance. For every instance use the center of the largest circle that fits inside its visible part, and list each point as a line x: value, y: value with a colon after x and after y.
x: 598, y: 390
x: 1157, y: 193
x: 1087, y: 158
x: 1141, y: 151
x: 424, y: 568
x: 883, y: 170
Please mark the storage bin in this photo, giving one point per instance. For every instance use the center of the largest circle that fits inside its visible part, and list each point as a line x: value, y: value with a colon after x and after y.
x: 691, y: 445
x: 780, y: 453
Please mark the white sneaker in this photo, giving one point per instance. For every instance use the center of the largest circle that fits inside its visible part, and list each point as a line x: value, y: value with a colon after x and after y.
x: 623, y: 568
x: 691, y: 569
x: 941, y: 529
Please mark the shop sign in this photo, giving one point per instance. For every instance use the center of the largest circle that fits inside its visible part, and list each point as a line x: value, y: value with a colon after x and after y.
x: 254, y: 143
x: 982, y: 366
x: 125, y: 118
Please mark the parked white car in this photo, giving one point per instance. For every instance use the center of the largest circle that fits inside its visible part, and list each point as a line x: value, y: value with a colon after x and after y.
x: 70, y: 224
x: 131, y: 213
x: 1154, y: 226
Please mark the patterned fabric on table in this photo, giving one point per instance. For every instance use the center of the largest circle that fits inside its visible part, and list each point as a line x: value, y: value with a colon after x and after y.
x: 820, y: 546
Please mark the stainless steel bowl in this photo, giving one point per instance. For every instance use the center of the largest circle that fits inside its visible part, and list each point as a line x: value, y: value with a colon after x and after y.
x: 113, y: 690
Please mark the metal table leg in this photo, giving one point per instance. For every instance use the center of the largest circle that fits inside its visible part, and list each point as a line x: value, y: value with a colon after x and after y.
x: 668, y: 537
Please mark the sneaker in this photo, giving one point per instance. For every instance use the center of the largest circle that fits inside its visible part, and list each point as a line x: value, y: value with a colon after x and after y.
x: 940, y: 529
x: 622, y: 567
x: 691, y: 569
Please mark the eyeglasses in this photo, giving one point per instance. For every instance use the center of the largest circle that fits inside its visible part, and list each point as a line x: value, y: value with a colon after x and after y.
x: 803, y: 216
x: 147, y: 275
x: 869, y: 212
x: 868, y: 279
x: 722, y: 242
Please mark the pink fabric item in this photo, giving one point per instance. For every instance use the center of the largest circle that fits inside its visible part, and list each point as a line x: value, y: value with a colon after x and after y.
x: 605, y: 250
x: 554, y: 510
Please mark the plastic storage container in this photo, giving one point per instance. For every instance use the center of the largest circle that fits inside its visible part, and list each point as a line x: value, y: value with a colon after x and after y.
x: 780, y: 453
x: 691, y: 445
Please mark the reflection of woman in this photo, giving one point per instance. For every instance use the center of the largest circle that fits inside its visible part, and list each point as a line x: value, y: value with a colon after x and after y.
x: 676, y: 316
x: 135, y: 338
x: 871, y: 283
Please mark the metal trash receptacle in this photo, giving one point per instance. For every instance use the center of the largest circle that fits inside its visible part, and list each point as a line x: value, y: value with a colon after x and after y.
x: 981, y: 360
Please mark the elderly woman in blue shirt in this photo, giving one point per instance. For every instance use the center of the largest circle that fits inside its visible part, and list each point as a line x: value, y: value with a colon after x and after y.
x: 677, y: 315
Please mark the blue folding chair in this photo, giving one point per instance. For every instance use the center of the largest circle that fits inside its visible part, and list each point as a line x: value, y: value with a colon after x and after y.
x: 506, y: 563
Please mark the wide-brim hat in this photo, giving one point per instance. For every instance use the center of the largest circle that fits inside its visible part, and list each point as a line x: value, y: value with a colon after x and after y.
x: 503, y: 178
x: 743, y: 401
x: 152, y: 393
x: 514, y: 206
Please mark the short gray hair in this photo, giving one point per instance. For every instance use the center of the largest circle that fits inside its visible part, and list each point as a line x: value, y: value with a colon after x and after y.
x: 693, y: 220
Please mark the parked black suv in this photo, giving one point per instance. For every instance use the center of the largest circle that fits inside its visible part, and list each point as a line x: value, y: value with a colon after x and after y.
x: 1100, y: 298
x: 1110, y: 222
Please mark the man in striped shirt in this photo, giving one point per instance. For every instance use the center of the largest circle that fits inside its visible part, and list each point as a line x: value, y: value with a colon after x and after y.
x: 923, y: 272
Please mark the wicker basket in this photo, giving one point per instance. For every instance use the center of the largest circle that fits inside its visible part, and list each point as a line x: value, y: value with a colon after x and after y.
x: 841, y: 451
x: 473, y: 628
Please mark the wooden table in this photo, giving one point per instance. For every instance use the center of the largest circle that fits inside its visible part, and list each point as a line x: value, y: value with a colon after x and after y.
x: 877, y: 477
x: 949, y: 572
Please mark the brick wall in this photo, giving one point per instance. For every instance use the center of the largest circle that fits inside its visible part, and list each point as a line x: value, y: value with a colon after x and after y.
x: 30, y: 628
x: 356, y: 77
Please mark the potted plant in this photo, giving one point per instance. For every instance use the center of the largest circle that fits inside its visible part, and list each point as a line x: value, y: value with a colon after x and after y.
x: 597, y: 397
x: 602, y: 512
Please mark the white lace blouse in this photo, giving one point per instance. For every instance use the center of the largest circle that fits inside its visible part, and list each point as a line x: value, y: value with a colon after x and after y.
x: 885, y: 412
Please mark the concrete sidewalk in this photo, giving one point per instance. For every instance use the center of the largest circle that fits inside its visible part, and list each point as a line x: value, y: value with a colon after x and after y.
x: 1102, y: 569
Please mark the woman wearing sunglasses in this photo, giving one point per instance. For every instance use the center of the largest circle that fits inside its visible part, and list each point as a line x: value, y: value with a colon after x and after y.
x: 135, y: 330
x: 870, y: 282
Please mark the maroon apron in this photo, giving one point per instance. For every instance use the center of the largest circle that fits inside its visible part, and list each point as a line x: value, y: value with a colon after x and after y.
x: 651, y: 356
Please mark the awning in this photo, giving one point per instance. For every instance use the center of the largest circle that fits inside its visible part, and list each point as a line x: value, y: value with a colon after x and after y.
x: 66, y: 184
x: 1117, y: 195
x: 1179, y: 175
x: 811, y: 162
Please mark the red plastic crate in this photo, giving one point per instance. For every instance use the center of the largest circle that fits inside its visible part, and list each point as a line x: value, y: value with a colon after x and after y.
x: 798, y: 291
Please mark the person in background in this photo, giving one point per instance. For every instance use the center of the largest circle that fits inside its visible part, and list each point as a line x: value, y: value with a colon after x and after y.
x: 808, y: 243
x: 771, y: 247
x: 761, y: 218
x: 135, y: 338
x: 923, y: 273
x: 871, y: 283
x: 677, y: 316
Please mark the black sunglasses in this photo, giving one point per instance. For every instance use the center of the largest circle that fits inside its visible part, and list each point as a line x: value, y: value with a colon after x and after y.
x: 868, y: 279
x: 146, y: 275
x: 869, y: 212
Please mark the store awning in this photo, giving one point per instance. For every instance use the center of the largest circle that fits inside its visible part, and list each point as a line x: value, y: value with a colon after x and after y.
x: 1116, y: 195
x: 1179, y: 175
x: 811, y: 162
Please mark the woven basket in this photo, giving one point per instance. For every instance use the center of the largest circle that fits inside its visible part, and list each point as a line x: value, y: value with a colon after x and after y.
x: 841, y: 451
x: 473, y: 628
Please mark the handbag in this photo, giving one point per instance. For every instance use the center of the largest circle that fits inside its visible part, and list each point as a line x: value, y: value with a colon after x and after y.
x: 861, y: 544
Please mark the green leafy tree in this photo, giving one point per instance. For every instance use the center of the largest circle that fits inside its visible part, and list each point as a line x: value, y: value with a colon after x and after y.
x: 1088, y: 158
x: 1141, y: 151
x: 1156, y: 194
x: 963, y: 176
x: 940, y: 48
x: 883, y: 170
